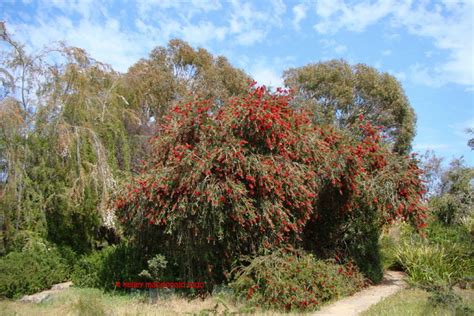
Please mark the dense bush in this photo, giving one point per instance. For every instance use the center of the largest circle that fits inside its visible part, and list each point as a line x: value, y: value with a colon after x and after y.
x: 101, y: 269
x: 231, y: 180
x: 451, y: 209
x: 427, y: 263
x: 442, y: 258
x: 294, y: 281
x: 33, y: 269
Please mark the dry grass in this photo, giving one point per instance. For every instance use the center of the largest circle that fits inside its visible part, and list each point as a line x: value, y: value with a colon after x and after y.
x: 74, y: 301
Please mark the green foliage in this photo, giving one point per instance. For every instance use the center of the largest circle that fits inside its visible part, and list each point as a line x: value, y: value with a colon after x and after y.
x: 337, y: 93
x: 156, y: 266
x: 173, y: 72
x: 445, y: 297
x: 417, y: 302
x: 443, y: 258
x: 294, y: 281
x: 257, y: 174
x: 455, y: 203
x: 426, y: 263
x: 35, y: 268
x: 364, y: 249
x: 101, y: 269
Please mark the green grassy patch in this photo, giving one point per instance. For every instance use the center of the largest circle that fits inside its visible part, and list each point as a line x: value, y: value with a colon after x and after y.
x: 414, y: 302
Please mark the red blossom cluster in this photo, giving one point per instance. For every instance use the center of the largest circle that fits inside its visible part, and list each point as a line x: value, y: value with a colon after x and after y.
x: 249, y: 174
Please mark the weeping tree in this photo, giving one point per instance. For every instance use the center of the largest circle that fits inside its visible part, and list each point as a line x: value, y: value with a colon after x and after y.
x: 337, y: 93
x: 65, y: 141
x: 256, y: 175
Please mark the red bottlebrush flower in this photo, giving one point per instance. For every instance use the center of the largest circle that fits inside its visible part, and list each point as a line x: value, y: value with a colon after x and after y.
x: 250, y: 293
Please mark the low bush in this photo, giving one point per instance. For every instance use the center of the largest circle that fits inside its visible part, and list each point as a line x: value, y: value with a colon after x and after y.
x: 35, y: 268
x: 101, y: 269
x: 426, y: 263
x: 294, y: 281
x: 443, y: 257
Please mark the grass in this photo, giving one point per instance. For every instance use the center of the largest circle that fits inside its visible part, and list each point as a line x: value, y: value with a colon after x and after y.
x: 414, y: 302
x: 80, y: 301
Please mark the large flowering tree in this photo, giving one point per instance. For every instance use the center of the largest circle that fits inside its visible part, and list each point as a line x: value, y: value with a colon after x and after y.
x: 254, y: 174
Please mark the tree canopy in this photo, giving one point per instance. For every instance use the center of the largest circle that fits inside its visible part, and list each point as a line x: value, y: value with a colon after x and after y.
x: 257, y: 174
x: 337, y: 93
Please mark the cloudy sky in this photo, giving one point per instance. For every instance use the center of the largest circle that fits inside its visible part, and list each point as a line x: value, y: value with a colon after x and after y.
x: 427, y: 45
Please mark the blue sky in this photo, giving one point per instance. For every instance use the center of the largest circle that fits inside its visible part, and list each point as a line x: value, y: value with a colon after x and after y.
x: 427, y: 45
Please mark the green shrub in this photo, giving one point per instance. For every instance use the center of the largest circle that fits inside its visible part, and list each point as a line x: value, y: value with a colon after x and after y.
x: 34, y: 269
x: 101, y: 269
x: 225, y: 181
x: 297, y: 281
x: 452, y: 209
x: 364, y: 249
x: 444, y: 257
x: 426, y: 263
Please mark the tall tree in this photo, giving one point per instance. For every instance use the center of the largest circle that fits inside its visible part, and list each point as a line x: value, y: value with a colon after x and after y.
x: 337, y: 93
x: 64, y: 143
x: 174, y: 72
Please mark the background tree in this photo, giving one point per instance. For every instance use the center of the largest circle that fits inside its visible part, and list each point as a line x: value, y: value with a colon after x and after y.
x: 432, y: 166
x: 455, y: 202
x: 470, y: 142
x: 175, y: 72
x: 65, y: 144
x: 337, y: 93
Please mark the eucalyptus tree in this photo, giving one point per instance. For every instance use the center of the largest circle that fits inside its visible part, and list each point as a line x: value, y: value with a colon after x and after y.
x: 337, y: 93
x: 179, y: 71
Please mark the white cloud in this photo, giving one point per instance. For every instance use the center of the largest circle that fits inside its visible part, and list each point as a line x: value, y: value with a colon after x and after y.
x: 249, y: 38
x: 267, y: 71
x: 299, y: 14
x: 266, y: 75
x: 188, y: 8
x: 336, y: 14
x: 400, y: 75
x: 387, y: 52
x: 339, y: 49
x: 423, y: 75
x: 459, y: 128
x: 250, y: 25
x: 448, y: 23
x: 105, y: 41
x: 202, y: 33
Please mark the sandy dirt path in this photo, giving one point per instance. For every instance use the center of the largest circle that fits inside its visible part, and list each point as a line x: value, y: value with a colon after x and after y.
x: 361, y: 301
